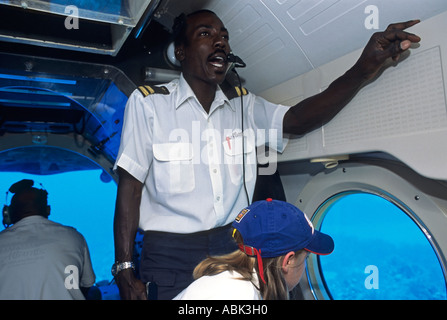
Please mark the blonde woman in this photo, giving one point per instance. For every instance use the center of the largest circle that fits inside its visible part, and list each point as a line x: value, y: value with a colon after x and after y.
x: 274, y: 239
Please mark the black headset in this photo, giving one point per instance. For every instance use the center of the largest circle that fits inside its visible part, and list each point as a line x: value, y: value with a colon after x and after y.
x: 16, y: 188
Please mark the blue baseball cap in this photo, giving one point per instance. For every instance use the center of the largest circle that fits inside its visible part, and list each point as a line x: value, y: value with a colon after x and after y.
x: 272, y: 228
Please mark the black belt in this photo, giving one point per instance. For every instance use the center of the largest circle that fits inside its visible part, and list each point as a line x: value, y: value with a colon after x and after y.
x: 193, y: 234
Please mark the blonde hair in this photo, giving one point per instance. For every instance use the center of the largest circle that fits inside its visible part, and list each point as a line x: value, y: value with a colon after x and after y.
x: 275, y: 287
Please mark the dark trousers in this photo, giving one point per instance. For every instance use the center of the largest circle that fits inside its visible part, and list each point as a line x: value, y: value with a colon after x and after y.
x: 168, y: 259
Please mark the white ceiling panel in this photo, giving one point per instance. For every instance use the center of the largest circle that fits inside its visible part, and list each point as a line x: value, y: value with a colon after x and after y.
x: 281, y: 39
x: 264, y: 44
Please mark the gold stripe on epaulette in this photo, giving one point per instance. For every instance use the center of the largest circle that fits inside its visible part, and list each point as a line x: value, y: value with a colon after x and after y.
x: 238, y: 91
x: 149, y: 88
x: 143, y: 90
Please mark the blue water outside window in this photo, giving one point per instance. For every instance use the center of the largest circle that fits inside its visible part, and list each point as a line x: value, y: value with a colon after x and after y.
x: 84, y: 200
x: 380, y: 252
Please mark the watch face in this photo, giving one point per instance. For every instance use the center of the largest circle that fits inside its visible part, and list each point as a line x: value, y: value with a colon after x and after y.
x: 114, y: 270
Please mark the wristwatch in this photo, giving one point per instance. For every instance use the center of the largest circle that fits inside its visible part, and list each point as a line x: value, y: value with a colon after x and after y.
x: 120, y: 266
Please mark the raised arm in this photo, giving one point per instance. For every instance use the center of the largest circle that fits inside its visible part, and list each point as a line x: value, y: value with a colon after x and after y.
x: 319, y: 109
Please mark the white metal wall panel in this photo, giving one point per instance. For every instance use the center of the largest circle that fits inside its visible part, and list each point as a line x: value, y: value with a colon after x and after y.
x: 402, y: 113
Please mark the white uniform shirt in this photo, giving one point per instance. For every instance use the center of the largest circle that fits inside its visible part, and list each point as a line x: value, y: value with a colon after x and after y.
x: 43, y: 260
x: 226, y: 285
x: 191, y: 162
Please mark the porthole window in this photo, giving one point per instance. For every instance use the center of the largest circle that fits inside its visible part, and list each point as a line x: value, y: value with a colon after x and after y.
x: 381, y: 252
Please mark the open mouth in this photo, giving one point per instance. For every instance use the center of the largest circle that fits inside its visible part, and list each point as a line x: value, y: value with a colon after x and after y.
x: 217, y: 61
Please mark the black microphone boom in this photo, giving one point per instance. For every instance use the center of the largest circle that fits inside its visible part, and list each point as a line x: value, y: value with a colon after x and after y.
x: 236, y: 61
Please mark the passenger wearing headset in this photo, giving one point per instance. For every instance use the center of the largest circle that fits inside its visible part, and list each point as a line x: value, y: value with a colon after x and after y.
x: 40, y: 259
x: 184, y: 172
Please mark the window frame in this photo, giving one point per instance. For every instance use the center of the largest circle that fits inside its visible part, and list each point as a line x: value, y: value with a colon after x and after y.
x: 393, y: 182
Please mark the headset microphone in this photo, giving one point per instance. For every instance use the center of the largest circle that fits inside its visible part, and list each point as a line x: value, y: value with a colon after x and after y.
x: 235, y: 61
x: 18, y: 187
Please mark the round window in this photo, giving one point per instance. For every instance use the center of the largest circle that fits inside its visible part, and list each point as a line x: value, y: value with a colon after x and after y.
x: 380, y: 251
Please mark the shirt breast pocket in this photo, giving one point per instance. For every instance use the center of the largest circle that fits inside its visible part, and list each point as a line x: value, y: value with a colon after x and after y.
x: 235, y: 156
x: 173, y: 167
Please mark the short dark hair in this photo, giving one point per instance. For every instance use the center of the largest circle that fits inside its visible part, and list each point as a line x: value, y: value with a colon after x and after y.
x: 179, y: 26
x: 28, y: 198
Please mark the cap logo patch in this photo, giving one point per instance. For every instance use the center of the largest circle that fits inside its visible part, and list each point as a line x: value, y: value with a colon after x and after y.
x: 241, y: 215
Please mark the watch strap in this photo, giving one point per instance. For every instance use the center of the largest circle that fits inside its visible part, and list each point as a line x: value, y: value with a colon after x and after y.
x: 120, y: 266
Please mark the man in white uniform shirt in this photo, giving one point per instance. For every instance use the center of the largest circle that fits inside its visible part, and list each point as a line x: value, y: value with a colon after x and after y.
x: 181, y: 156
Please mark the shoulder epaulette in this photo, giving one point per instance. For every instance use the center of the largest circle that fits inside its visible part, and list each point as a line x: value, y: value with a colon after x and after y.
x: 147, y: 90
x: 241, y: 91
x: 234, y: 92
